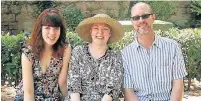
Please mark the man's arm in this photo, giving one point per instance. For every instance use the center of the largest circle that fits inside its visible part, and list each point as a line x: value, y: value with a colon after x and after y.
x: 177, y: 90
x: 179, y: 71
x: 129, y: 95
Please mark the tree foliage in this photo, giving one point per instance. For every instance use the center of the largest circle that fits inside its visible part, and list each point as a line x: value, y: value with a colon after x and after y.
x: 196, y: 7
x: 163, y: 9
x: 73, y: 17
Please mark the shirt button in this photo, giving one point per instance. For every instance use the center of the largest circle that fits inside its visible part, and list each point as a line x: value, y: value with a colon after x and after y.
x: 150, y: 97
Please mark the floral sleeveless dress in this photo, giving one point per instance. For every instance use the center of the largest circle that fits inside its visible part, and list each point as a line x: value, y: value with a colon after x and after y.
x: 46, y: 86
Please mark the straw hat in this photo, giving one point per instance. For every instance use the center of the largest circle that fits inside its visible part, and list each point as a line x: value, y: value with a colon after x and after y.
x: 84, y: 27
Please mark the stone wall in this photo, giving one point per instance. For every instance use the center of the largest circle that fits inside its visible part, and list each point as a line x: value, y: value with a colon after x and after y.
x: 20, y: 15
x: 17, y: 16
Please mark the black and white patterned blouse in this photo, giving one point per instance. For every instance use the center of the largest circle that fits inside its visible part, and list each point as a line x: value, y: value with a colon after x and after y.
x: 93, y: 78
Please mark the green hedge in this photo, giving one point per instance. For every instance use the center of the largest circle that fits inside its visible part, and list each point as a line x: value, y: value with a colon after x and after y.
x: 190, y: 40
x: 72, y: 16
x: 10, y: 58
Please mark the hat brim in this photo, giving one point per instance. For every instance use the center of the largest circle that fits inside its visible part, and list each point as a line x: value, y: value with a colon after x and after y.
x: 83, y: 29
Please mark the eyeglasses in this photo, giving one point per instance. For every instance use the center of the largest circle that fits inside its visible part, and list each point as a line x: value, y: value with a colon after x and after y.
x: 144, y: 16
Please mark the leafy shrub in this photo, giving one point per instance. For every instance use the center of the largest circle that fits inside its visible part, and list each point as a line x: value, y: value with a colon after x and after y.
x: 128, y: 38
x: 196, y: 6
x: 73, y: 17
x: 10, y: 58
x: 195, y: 20
x: 189, y: 39
x: 74, y: 39
x: 191, y: 47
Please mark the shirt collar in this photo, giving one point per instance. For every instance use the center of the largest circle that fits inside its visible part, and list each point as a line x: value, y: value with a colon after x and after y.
x: 155, y: 43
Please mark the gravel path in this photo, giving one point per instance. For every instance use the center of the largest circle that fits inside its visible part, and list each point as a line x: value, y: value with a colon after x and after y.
x: 192, y: 98
x: 7, y: 94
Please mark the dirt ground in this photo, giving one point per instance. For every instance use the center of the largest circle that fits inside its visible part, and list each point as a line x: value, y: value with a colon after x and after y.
x: 192, y: 96
x: 8, y: 93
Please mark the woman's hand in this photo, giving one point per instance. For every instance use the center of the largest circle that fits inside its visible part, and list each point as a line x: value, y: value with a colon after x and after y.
x: 75, y: 97
x: 106, y: 98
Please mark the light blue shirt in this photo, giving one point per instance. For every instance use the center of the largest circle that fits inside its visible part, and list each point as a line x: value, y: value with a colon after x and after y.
x: 150, y: 73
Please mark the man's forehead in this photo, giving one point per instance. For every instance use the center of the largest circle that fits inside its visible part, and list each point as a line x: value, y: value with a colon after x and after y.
x: 142, y: 7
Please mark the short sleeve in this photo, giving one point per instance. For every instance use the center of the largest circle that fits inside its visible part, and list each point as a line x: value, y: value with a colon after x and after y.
x: 74, y: 82
x: 27, y: 50
x: 179, y: 70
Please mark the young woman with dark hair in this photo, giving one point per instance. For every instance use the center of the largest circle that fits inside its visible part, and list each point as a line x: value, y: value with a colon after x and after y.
x: 45, y: 60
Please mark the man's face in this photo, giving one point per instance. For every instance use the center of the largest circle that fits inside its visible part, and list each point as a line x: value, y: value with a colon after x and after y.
x: 142, y: 19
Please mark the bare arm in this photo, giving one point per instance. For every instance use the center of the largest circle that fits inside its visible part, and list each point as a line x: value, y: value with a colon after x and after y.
x: 129, y: 95
x: 27, y: 77
x: 177, y: 90
x: 63, y: 74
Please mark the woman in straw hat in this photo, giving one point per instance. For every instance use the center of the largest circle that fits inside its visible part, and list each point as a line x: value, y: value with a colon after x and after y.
x: 96, y: 72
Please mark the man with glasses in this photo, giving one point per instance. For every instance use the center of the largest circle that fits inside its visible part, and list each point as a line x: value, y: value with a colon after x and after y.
x: 154, y: 65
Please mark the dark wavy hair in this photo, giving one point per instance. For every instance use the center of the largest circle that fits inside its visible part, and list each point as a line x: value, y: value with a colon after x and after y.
x: 49, y: 17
